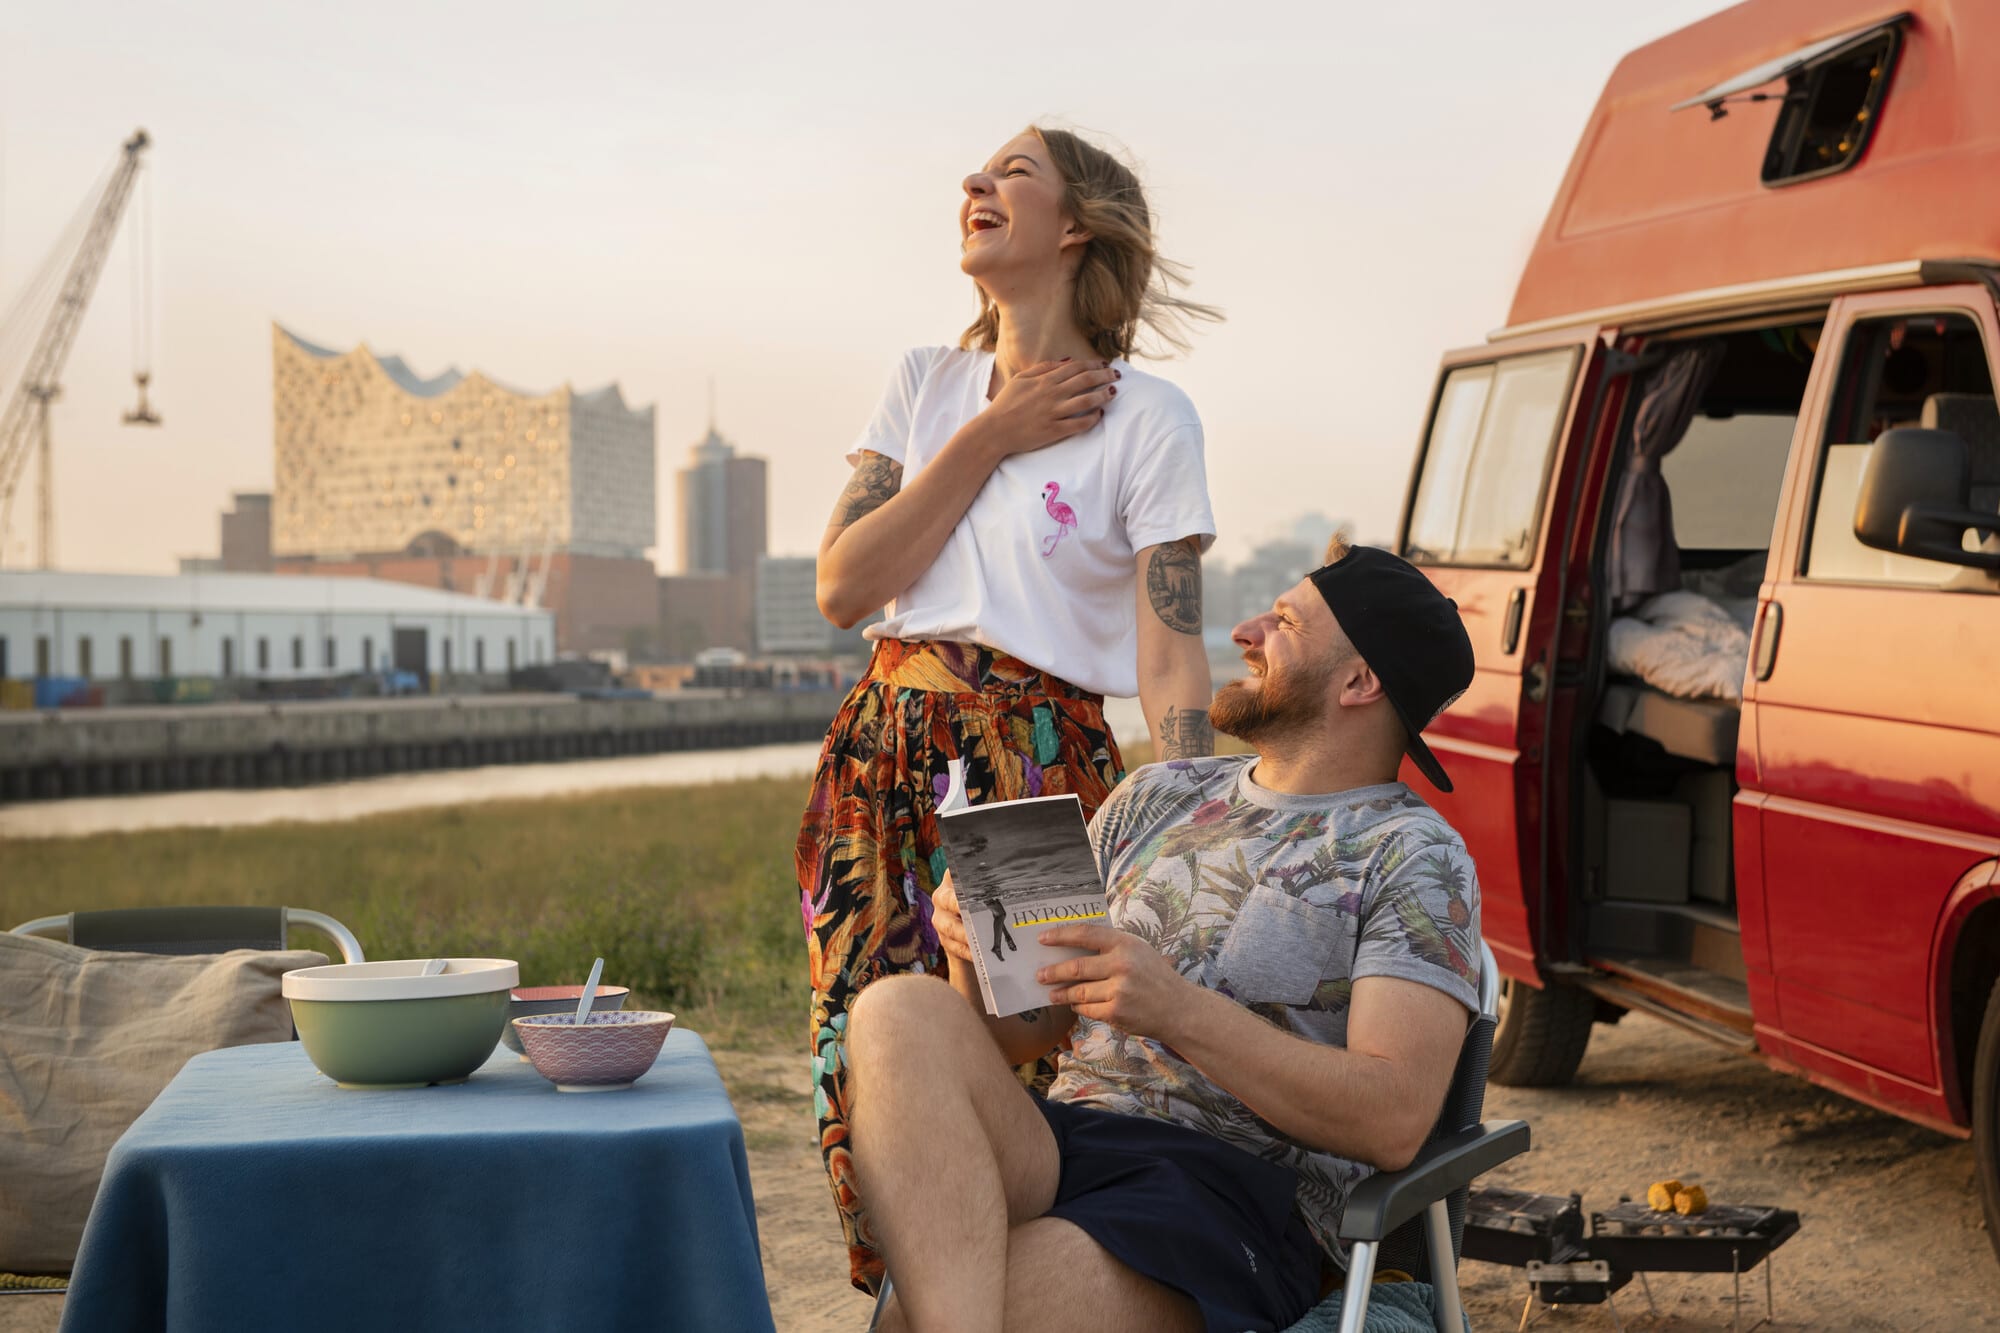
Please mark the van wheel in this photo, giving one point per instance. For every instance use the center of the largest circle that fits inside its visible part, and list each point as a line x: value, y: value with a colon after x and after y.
x: 1542, y: 1034
x: 1986, y: 1116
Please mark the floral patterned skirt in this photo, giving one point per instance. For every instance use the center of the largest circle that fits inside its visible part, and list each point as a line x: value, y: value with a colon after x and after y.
x: 868, y: 852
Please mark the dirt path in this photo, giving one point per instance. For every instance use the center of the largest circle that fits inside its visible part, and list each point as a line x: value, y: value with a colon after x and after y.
x: 1891, y: 1234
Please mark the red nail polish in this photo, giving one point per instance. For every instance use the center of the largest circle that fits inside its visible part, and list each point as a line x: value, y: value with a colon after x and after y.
x: 1114, y: 391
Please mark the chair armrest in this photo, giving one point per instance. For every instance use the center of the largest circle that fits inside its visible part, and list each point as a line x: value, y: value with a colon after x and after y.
x: 1388, y: 1199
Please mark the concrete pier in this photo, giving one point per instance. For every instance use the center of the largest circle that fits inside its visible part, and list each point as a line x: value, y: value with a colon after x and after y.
x: 51, y: 754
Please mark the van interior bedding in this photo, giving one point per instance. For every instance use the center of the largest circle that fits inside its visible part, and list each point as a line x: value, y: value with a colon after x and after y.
x: 1659, y: 763
x: 1685, y: 644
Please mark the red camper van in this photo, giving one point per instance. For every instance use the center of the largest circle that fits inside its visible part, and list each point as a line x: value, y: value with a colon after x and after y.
x: 1721, y: 505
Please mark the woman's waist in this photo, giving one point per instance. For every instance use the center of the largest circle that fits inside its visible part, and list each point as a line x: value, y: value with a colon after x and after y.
x: 952, y: 667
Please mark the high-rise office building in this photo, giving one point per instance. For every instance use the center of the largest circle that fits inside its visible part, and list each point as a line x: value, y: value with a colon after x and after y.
x: 789, y: 622
x: 724, y: 526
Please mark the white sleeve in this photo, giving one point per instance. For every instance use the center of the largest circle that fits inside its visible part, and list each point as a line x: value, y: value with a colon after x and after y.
x: 1166, y: 492
x: 888, y: 430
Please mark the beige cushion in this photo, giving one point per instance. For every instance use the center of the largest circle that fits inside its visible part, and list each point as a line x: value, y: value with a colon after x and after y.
x: 1703, y: 729
x: 87, y: 1040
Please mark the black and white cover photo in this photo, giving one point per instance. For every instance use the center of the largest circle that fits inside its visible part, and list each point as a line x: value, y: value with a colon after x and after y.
x: 1020, y: 867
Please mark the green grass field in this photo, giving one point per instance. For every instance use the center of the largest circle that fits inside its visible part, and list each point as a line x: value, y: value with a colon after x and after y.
x: 687, y: 892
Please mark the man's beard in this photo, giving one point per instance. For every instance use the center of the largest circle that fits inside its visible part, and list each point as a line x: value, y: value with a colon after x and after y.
x: 1292, y: 700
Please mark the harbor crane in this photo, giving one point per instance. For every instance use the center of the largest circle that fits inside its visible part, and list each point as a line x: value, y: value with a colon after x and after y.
x: 24, y: 427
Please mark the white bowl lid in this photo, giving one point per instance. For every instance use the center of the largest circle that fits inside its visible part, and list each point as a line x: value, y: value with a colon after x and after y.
x: 401, y: 979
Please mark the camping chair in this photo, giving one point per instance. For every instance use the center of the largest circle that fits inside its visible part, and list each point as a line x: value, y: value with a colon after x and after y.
x: 1413, y: 1220
x: 1399, y: 1219
x: 190, y: 930
x: 175, y: 930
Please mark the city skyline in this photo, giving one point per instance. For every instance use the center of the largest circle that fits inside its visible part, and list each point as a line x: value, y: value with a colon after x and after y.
x: 770, y: 203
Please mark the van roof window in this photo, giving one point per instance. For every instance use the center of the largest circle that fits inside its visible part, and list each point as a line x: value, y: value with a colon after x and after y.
x: 1831, y: 101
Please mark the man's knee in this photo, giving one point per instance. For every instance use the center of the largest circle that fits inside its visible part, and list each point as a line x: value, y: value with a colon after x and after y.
x: 894, y: 1014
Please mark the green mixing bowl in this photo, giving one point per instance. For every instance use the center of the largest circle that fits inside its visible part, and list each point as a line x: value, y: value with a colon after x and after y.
x: 385, y: 1025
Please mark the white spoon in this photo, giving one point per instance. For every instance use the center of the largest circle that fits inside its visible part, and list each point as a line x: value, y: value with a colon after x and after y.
x: 589, y: 991
x: 954, y: 792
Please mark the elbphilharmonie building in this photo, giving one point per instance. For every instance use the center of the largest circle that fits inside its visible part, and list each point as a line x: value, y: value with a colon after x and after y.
x: 371, y: 457
x: 461, y: 482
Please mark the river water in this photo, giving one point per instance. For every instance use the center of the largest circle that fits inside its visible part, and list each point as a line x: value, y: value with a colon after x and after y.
x: 336, y: 801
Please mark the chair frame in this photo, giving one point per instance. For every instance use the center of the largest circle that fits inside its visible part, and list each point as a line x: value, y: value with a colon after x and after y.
x: 1447, y: 1164
x: 62, y: 926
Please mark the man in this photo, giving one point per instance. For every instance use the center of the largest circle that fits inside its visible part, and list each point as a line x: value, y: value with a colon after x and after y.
x: 1274, y: 1011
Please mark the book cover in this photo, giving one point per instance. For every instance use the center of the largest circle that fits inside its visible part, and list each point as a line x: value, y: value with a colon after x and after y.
x: 1019, y: 867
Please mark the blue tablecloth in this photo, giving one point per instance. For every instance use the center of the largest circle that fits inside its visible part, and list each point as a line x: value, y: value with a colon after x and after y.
x: 256, y: 1195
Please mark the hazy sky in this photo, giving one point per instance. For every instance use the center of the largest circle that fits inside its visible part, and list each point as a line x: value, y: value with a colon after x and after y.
x: 657, y: 193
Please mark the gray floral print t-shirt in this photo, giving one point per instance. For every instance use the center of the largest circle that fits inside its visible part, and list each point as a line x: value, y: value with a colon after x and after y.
x: 1279, y: 902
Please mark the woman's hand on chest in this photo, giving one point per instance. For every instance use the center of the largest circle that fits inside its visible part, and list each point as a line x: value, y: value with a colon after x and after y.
x: 1045, y: 404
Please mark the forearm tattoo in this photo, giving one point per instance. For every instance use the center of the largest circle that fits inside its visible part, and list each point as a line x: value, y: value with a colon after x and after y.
x: 876, y: 480
x: 1173, y: 584
x: 1185, y: 733
x: 1030, y: 1016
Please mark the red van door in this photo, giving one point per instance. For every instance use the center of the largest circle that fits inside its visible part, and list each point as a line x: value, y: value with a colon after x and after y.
x: 1485, y: 519
x: 1877, y: 729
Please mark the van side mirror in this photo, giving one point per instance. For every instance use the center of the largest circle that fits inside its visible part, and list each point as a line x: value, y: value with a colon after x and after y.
x: 1916, y: 499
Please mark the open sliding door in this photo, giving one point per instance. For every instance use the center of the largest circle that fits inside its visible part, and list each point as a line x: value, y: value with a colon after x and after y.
x: 1486, y: 521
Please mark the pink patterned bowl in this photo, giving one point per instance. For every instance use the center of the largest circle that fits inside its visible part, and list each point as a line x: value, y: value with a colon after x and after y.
x: 610, y: 1050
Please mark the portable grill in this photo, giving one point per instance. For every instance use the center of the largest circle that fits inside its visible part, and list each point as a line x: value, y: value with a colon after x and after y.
x: 1513, y: 1227
x: 1728, y: 1238
x: 1568, y: 1264
x: 1544, y: 1234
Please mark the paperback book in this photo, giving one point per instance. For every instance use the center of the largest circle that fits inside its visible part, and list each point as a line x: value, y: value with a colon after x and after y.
x: 1019, y: 867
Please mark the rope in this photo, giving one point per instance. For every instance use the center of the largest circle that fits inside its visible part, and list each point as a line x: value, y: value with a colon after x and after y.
x: 28, y: 313
x: 142, y: 275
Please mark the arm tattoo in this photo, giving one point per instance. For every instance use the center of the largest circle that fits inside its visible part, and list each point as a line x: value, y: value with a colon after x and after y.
x: 876, y: 479
x: 1173, y: 583
x: 1030, y: 1016
x: 1185, y: 733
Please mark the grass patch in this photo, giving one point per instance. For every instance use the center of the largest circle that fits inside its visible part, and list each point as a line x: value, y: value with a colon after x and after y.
x: 687, y: 892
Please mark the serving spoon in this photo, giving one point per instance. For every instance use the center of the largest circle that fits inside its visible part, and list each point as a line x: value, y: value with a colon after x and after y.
x: 589, y: 991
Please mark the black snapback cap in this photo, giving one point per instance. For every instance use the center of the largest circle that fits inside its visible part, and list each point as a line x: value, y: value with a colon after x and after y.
x: 1408, y: 632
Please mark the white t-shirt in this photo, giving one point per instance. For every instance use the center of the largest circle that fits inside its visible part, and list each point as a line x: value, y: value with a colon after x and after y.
x: 1041, y: 566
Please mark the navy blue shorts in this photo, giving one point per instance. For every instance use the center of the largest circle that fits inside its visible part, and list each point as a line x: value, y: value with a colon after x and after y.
x: 1190, y: 1212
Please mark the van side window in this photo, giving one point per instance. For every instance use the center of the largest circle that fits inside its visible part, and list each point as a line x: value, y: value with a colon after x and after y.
x: 1909, y: 370
x: 1486, y: 461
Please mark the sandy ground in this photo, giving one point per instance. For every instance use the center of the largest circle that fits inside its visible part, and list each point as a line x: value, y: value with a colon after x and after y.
x: 1891, y: 1235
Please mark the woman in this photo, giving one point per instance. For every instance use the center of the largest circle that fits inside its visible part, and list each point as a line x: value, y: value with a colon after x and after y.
x: 1031, y: 510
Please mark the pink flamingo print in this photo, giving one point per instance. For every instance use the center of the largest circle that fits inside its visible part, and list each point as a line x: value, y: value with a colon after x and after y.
x: 1064, y: 516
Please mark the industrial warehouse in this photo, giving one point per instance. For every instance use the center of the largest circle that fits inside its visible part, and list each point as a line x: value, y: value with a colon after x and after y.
x: 98, y: 628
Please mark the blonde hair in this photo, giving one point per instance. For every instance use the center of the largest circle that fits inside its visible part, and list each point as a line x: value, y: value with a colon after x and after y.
x: 1123, y: 281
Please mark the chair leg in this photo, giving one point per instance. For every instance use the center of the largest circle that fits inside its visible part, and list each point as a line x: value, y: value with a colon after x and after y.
x: 1444, y: 1267
x: 881, y: 1303
x: 1360, y: 1277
